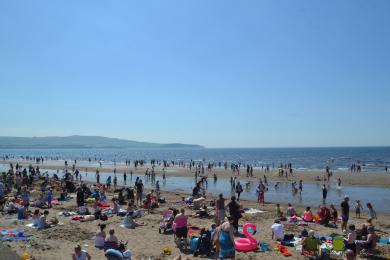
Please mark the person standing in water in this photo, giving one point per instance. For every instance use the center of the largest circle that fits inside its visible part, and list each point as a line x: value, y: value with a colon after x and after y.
x: 324, y: 193
x: 124, y: 177
x: 300, y: 187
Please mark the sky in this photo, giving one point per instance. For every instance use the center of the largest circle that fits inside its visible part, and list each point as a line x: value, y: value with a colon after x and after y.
x: 219, y: 73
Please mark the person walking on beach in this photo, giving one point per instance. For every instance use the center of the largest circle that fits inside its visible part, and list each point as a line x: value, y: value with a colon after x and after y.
x: 239, y: 189
x: 97, y: 177
x: 324, y: 193
x: 124, y: 178
x: 371, y: 212
x: 344, y: 213
x: 300, y: 187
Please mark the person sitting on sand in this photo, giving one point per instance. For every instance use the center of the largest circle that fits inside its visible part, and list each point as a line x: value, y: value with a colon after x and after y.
x: 42, y: 221
x: 279, y: 212
x: 324, y: 214
x: 100, y: 236
x: 111, y: 240
x: 132, y: 209
x: 129, y: 222
x: 278, y: 232
x: 351, y: 238
x: 122, y: 253
x: 80, y: 254
x: 370, y: 241
x: 35, y: 217
x: 307, y: 215
x: 333, y: 213
x: 291, y: 211
x: 10, y: 207
x: 311, y: 235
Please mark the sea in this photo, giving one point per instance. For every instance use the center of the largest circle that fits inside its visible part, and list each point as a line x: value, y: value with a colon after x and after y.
x: 371, y: 159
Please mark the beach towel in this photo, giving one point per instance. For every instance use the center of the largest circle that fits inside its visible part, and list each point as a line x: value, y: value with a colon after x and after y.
x: 226, y: 249
x: 252, y: 211
x: 264, y: 247
x: 31, y: 225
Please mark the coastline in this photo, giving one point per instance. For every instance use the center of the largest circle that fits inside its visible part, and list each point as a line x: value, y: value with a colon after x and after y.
x: 364, y: 179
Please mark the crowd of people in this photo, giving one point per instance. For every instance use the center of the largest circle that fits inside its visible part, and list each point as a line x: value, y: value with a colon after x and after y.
x: 92, y: 203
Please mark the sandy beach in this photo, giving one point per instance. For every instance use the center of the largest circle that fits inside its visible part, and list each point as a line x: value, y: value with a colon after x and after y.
x: 145, y: 241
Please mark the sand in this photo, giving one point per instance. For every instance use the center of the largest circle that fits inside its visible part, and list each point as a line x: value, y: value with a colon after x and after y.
x: 145, y: 241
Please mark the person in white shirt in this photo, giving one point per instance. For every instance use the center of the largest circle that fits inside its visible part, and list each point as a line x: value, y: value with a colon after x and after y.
x: 278, y: 232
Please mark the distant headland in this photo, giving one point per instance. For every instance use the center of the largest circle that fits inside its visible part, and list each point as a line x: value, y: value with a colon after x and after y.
x: 78, y: 141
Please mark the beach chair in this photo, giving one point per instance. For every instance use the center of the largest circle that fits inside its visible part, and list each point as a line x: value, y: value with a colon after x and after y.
x: 311, y: 247
x: 338, y: 248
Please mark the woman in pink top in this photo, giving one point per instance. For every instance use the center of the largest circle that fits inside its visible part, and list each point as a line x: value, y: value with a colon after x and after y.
x: 180, y: 227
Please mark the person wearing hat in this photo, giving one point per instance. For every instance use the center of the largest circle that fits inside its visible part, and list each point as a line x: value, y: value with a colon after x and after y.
x: 344, y: 213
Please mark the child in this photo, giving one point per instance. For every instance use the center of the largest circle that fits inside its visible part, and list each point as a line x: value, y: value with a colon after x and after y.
x: 49, y: 197
x: 358, y: 208
x: 351, y: 237
x: 371, y: 212
x: 279, y: 212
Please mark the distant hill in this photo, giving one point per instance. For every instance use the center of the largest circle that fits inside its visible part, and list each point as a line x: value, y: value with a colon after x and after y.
x: 77, y: 141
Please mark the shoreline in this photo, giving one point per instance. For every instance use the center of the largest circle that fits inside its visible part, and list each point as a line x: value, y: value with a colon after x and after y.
x: 363, y: 179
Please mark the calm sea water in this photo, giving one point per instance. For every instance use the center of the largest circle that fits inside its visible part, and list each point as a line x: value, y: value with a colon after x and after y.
x: 371, y: 158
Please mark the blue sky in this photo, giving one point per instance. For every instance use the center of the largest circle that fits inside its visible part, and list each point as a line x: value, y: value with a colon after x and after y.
x: 217, y: 73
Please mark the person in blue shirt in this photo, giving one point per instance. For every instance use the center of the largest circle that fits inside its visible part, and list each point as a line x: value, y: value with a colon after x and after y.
x: 49, y: 197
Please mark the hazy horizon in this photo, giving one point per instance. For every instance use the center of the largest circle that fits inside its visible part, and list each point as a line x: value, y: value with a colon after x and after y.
x: 215, y: 73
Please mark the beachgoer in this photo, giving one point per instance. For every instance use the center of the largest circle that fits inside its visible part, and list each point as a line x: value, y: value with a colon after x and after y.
x: 371, y: 212
x: 140, y: 188
x: 279, y: 212
x: 220, y: 209
x: 100, y: 236
x: 370, y: 242
x: 324, y: 193
x: 80, y: 254
x: 234, y: 211
x: 180, y: 226
x: 350, y: 239
x: 307, y: 215
x: 278, y: 232
x: 358, y: 208
x: 239, y: 189
x: 225, y: 233
x: 291, y: 211
x: 344, y: 213
x: 311, y: 235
